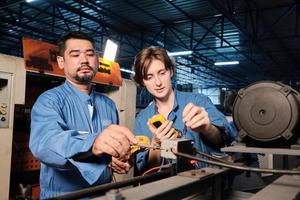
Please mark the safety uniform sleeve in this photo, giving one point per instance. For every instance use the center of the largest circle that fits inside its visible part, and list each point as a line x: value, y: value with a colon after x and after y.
x: 54, y: 144
x: 218, y: 119
x: 141, y: 157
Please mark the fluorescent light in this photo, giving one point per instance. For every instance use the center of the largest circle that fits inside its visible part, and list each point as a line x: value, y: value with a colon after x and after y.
x: 29, y: 1
x: 110, y: 50
x: 127, y: 71
x: 180, y: 53
x: 218, y: 15
x: 227, y: 63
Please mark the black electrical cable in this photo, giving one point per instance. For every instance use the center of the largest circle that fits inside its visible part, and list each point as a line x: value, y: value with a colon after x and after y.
x: 242, y: 168
x: 212, y: 157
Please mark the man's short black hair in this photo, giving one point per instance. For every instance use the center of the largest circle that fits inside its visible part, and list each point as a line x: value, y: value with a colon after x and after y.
x: 72, y: 35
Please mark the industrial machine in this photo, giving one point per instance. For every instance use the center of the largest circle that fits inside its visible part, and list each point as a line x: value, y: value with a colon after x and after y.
x: 174, y: 181
x: 205, y: 183
x: 12, y: 91
x: 267, y: 115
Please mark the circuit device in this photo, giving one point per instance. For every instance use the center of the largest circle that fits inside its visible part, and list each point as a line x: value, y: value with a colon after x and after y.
x: 158, y: 120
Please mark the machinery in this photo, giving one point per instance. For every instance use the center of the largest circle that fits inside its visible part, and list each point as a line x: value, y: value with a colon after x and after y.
x: 12, y: 91
x: 178, y: 180
x: 205, y: 183
x: 158, y: 120
x: 267, y: 115
x: 173, y: 181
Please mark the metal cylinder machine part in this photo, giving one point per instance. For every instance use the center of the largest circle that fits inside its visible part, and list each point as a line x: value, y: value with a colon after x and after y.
x: 267, y: 114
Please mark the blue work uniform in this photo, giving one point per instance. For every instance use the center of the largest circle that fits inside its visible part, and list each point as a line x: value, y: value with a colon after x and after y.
x: 181, y: 100
x: 62, y: 126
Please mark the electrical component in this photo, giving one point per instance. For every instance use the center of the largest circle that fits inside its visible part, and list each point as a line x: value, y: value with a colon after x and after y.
x: 158, y: 120
x: 177, y: 145
x: 267, y: 114
x: 143, y: 142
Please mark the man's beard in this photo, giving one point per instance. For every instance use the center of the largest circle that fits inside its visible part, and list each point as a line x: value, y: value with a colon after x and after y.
x: 86, y: 78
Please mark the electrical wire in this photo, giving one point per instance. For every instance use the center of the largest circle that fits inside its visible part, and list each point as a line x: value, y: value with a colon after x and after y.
x: 98, y: 189
x: 162, y: 163
x: 151, y: 170
x: 232, y: 166
x: 157, y: 168
x: 213, y: 157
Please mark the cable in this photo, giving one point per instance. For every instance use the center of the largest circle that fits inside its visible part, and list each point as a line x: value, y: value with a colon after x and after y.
x: 212, y: 157
x: 156, y: 168
x: 151, y: 170
x: 162, y: 163
x: 100, y: 189
x: 242, y: 168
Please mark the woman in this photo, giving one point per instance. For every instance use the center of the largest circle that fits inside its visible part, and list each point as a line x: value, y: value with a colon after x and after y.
x: 205, y: 124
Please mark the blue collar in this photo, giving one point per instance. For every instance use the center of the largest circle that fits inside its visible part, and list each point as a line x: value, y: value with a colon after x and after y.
x: 172, y: 115
x: 82, y: 96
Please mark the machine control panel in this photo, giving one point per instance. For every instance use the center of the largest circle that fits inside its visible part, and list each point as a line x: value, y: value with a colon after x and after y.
x: 5, y: 96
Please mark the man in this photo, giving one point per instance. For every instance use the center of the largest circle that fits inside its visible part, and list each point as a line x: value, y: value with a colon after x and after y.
x: 72, y: 127
x: 205, y: 124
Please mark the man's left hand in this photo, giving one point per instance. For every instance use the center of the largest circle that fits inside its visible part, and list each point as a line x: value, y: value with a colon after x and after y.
x: 120, y: 167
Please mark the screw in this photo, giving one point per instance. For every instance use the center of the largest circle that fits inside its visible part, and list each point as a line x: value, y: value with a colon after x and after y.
x: 193, y: 173
x: 113, y: 195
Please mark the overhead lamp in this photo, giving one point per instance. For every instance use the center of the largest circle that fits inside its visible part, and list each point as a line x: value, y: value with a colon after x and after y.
x: 127, y: 71
x: 180, y: 53
x: 29, y: 1
x: 110, y: 50
x: 227, y: 63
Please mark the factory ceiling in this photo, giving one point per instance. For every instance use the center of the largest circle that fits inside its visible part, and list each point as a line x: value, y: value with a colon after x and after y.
x: 264, y: 36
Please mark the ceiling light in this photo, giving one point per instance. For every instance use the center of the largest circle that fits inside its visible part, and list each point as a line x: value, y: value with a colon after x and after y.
x: 127, y: 71
x: 180, y: 53
x: 218, y: 15
x: 110, y: 50
x: 29, y: 1
x: 227, y: 63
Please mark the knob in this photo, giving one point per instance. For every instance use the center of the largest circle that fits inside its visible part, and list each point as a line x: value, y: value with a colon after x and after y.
x: 2, y: 112
x: 3, y: 105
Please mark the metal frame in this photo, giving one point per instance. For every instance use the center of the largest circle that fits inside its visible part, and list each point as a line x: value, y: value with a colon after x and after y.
x: 195, y: 183
x: 247, y: 18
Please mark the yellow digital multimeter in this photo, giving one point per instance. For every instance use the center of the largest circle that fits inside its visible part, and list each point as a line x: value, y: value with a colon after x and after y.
x: 158, y: 120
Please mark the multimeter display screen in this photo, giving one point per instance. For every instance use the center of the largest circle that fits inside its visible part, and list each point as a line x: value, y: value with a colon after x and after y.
x: 157, y: 124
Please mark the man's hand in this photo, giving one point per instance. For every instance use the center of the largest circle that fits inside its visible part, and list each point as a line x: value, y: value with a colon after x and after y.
x: 120, y: 167
x: 165, y: 131
x: 196, y: 118
x: 115, y: 140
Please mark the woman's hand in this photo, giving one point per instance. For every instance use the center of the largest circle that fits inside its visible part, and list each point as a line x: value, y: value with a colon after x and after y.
x: 165, y: 131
